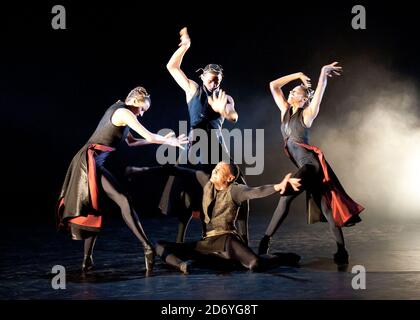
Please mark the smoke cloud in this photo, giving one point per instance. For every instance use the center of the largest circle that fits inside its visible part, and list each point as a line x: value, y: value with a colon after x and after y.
x: 375, y: 148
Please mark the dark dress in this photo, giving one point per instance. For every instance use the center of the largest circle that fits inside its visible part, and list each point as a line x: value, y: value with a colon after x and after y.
x: 345, y: 211
x: 79, y: 203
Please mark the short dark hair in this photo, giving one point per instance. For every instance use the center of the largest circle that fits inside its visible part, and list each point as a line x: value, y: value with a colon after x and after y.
x: 234, y: 170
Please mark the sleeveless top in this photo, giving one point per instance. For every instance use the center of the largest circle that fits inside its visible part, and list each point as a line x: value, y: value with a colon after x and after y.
x: 106, y: 132
x: 293, y: 127
x: 219, y: 209
x: 295, y: 131
x: 201, y: 113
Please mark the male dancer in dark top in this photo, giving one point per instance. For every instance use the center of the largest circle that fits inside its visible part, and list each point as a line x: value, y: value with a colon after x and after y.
x: 88, y: 180
x: 208, y: 107
x: 222, y: 198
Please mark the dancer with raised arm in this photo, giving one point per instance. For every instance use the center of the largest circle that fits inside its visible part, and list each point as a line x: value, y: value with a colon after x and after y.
x: 208, y: 107
x: 325, y: 193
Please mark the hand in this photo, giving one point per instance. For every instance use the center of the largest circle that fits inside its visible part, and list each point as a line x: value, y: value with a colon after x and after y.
x: 185, y: 38
x: 218, y: 103
x: 332, y: 69
x: 294, y: 182
x: 169, y: 135
x: 176, y: 141
x: 305, y: 80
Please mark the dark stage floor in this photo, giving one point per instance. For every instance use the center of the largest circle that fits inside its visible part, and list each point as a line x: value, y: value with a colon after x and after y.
x: 390, y: 254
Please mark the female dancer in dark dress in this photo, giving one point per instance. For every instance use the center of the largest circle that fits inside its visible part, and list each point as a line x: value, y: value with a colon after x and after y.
x: 325, y: 193
x: 87, y: 179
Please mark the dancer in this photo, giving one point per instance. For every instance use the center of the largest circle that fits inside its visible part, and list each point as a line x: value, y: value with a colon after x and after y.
x: 221, y: 202
x: 325, y: 193
x: 208, y: 107
x: 88, y: 180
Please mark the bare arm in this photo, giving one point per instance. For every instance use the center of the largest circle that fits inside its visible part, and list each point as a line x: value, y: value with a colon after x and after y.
x: 122, y: 117
x: 311, y: 112
x: 276, y: 91
x: 174, y: 65
x: 134, y: 142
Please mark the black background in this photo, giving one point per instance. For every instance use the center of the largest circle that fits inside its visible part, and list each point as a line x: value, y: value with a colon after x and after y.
x: 56, y: 84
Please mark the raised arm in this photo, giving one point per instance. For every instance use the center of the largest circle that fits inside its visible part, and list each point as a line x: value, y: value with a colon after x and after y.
x: 174, y: 66
x: 311, y: 112
x: 122, y: 117
x: 277, y: 92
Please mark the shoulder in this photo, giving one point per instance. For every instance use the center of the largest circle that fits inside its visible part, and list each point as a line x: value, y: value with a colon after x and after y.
x: 118, y: 104
x: 208, y: 185
x: 194, y: 84
x: 120, y: 115
x: 195, y: 90
x: 122, y: 110
x: 285, y: 113
x: 235, y: 187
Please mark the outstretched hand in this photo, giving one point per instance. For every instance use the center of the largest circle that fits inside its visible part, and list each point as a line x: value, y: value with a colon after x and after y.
x: 185, y: 38
x: 176, y: 141
x: 332, y: 69
x: 294, y: 183
x: 218, y: 102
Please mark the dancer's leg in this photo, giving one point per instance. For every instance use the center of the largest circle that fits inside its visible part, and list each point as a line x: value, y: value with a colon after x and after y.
x: 341, y: 256
x: 172, y: 252
x: 308, y: 175
x: 130, y: 217
x: 89, y: 243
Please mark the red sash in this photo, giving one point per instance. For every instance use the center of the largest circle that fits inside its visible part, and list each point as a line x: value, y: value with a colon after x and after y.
x: 92, y: 220
x: 342, y: 206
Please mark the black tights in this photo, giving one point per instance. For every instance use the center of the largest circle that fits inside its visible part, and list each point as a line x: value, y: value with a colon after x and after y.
x: 129, y: 215
x: 310, y: 179
x: 235, y: 251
